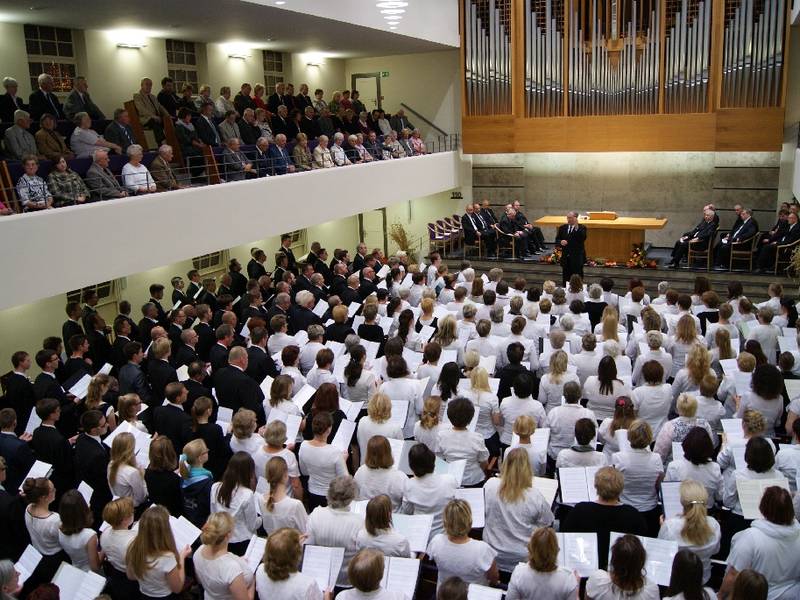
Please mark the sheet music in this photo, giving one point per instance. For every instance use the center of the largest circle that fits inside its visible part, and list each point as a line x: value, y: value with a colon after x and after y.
x: 184, y: 531
x: 351, y: 409
x: 359, y: 507
x: 353, y: 309
x: 417, y: 528
x: 86, y: 491
x: 266, y: 386
x: 320, y: 308
x: 578, y: 552
x: 199, y: 291
x: 732, y: 426
x: 399, y: 412
x: 358, y: 320
x: 788, y: 343
x: 303, y: 396
x: 406, y: 283
x: 39, y: 469
x: 426, y: 333
x: 481, y: 592
x: 742, y: 382
x: 386, y: 324
x: 547, y: 488
x: 183, y: 373
x: 245, y: 331
x: 372, y: 350
x: 750, y: 492
x: 255, y: 552
x: 343, y: 435
x: 236, y: 300
x: 81, y: 388
x: 106, y: 369
x: 671, y: 496
x: 225, y: 414
x: 381, y: 285
x: 292, y: 423
x: 76, y: 584
x: 397, y: 451
x: 323, y: 564
x: 176, y: 306
x: 792, y: 388
x: 337, y: 348
x: 660, y: 554
x: 474, y: 497
x: 27, y: 563
x: 789, y: 331
x: 677, y: 451
x: 33, y: 422
x: 574, y: 485
x: 413, y: 359
x: 455, y: 468
x: 301, y: 337
x: 729, y: 366
x: 400, y: 575
x: 383, y: 271
x: 449, y: 355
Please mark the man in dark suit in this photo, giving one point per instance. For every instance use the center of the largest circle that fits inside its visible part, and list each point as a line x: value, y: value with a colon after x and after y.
x: 486, y: 212
x: 301, y: 315
x: 19, y: 390
x: 747, y: 229
x: 218, y: 355
x: 159, y: 371
x: 178, y: 295
x: 535, y: 237
x: 366, y: 283
x: 279, y: 307
x: 508, y: 225
x: 119, y: 131
x: 702, y: 232
x: 171, y: 420
x: 236, y: 390
x: 193, y: 293
x: 339, y: 280
x: 72, y: 325
x: 47, y: 386
x: 277, y: 99
x: 125, y: 313
x: 80, y: 101
x: 255, y: 306
x: 255, y: 268
x: 261, y: 157
x: 10, y: 101
x: 196, y: 386
x: 206, y: 128
x: 99, y: 346
x: 360, y: 259
x: 91, y: 461
x: 350, y: 294
x: 16, y: 452
x: 571, y: 237
x: 156, y: 296
x: 177, y: 321
x: 148, y: 321
x: 44, y: 100
x: 318, y: 288
x: 238, y: 281
x: 90, y: 300
x: 205, y: 333
x: 303, y: 100
x: 259, y: 362
x: 281, y: 162
x: 286, y: 248
x: 131, y: 377
x: 186, y: 353
x: 51, y: 447
x: 475, y: 228
x: 766, y: 254
x: 122, y: 336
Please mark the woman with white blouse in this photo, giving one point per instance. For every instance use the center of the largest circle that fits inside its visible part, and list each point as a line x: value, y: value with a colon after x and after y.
x: 427, y: 493
x: 759, y: 461
x: 765, y: 396
x: 514, y: 506
x: 686, y: 336
x: 377, y: 475
x: 377, y: 422
x: 275, y: 438
x: 279, y: 575
x: 686, y: 578
x: 698, y: 365
x: 135, y: 176
x: 614, y: 349
x: 243, y: 428
x: 153, y: 559
x: 280, y: 396
x: 520, y: 402
x: 675, y: 430
x: 603, y: 389
x: 278, y: 508
x: 540, y: 576
x: 625, y: 577
x: 76, y: 535
x: 624, y: 415
x: 652, y: 400
x: 401, y: 388
x: 378, y: 532
x: 426, y: 430
x: 698, y: 464
x: 43, y: 525
x: 222, y: 574
x: 753, y: 425
x: 447, y: 335
x: 335, y: 525
x: 290, y: 359
x: 643, y: 472
x: 458, y: 443
x: 124, y: 476
x: 235, y: 495
x: 551, y: 386
x: 488, y: 407
x: 655, y: 351
x: 115, y: 541
x: 320, y: 461
x: 562, y: 419
x: 360, y: 383
x: 694, y: 529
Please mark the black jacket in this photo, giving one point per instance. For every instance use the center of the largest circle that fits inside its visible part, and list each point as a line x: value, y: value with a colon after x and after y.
x: 260, y: 364
x: 574, y: 253
x: 236, y: 390
x: 8, y: 106
x: 51, y: 447
x: 91, y: 464
x: 19, y: 460
x: 160, y: 373
x: 300, y: 318
x: 174, y: 423
x: 21, y: 397
x: 206, y: 339
x: 41, y: 104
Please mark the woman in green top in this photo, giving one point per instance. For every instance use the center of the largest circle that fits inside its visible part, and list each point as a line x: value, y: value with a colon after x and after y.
x: 66, y: 185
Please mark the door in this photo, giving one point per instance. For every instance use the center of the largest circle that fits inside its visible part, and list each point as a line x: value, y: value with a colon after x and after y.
x: 369, y: 88
x: 373, y: 229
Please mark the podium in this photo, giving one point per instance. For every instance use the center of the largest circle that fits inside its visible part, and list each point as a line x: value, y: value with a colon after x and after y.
x: 609, y: 238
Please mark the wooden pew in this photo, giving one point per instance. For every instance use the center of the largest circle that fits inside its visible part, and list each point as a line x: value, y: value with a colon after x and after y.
x: 7, y: 192
x: 136, y: 125
x: 212, y: 169
x: 172, y: 140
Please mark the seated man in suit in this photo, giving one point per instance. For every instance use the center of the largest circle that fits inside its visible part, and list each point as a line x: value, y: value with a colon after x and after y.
x: 747, y: 229
x: 79, y: 101
x: 475, y: 228
x: 766, y: 254
x: 702, y: 232
x: 235, y: 165
x: 49, y: 142
x: 262, y: 158
x: 206, y: 128
x: 44, y: 100
x: 190, y: 144
x: 229, y: 128
x: 399, y: 121
x: 248, y: 127
x: 101, y: 181
x: 536, y: 239
x: 167, y: 97
x: 151, y: 113
x: 162, y: 172
x: 119, y: 131
x: 776, y: 231
x: 18, y: 141
x: 509, y: 225
x: 281, y: 162
x: 10, y: 102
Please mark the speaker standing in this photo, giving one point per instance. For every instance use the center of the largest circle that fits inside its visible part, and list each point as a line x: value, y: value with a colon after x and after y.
x: 571, y: 238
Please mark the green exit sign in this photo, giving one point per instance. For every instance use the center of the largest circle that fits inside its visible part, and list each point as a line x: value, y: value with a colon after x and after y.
x: 384, y: 73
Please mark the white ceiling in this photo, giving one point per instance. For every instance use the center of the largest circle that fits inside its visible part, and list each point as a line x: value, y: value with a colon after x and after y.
x: 219, y: 21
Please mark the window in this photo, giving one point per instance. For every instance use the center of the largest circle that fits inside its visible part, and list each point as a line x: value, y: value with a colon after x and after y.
x: 211, y: 262
x: 50, y: 50
x: 106, y: 292
x: 182, y: 64
x: 273, y: 69
x: 298, y: 240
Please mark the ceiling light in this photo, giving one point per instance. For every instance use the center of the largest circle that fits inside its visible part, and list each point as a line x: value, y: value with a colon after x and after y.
x: 391, y: 4
x: 393, y: 11
x: 129, y: 38
x: 393, y: 18
x: 393, y: 27
x: 280, y: 2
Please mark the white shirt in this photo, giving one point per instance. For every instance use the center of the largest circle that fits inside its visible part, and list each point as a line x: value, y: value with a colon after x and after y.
x: 561, y: 421
x: 278, y: 341
x: 250, y: 444
x: 367, y: 428
x: 428, y: 495
x: 711, y: 410
x: 574, y: 458
x: 586, y: 363
x: 602, y: 404
x: 316, y: 377
x: 709, y: 474
x: 527, y: 584
x: 308, y: 356
x: 75, y: 545
x: 130, y: 483
x: 115, y: 544
x: 660, y: 356
x: 154, y: 582
x: 388, y: 541
x: 261, y: 457
x: 364, y: 388
x: 374, y: 482
x: 771, y: 409
x: 379, y: 594
x: 641, y: 468
x: 298, y: 586
x: 322, y: 464
x: 298, y: 381
x: 429, y: 437
x: 652, y: 403
x: 787, y: 461
x: 730, y: 493
x: 671, y: 530
x: 513, y: 407
x: 469, y: 561
x: 600, y: 587
x: 464, y: 445
x: 550, y: 392
x: 137, y: 177
x: 44, y: 532
x: 287, y: 512
x: 486, y: 404
x: 403, y: 390
x: 767, y: 336
x: 216, y: 575
x: 243, y: 510
x: 509, y: 524
x: 335, y: 528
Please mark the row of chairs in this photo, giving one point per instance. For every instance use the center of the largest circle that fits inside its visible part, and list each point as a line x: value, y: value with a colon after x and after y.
x: 742, y: 252
x: 446, y: 235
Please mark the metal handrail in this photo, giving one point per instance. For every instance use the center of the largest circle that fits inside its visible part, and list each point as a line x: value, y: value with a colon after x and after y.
x: 423, y: 119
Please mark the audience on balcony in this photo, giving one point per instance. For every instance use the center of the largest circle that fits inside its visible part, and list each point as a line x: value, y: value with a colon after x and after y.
x: 80, y: 101
x: 85, y: 140
x: 10, y: 102
x: 49, y: 142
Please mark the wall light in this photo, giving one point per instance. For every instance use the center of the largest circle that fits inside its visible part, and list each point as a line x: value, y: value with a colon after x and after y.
x: 240, y: 55
x: 129, y: 38
x: 134, y: 45
x: 237, y: 50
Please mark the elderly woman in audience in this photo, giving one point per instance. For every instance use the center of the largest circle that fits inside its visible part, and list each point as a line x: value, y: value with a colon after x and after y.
x: 378, y: 475
x: 417, y: 143
x: 765, y: 396
x: 262, y: 122
x: 66, y: 185
x: 84, y: 140
x: 362, y: 152
x: 135, y: 176
x: 322, y: 155
x: 301, y: 155
x: 540, y: 575
x: 603, y: 389
x: 337, y: 152
x: 513, y: 505
x: 378, y: 532
x: 32, y: 190
x: 626, y: 577
x: 694, y: 529
x: 675, y: 430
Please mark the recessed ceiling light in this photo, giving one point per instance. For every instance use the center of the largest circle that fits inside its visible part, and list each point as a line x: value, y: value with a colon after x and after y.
x: 393, y: 27
x: 280, y: 2
x: 391, y: 4
x: 393, y: 18
x: 393, y: 11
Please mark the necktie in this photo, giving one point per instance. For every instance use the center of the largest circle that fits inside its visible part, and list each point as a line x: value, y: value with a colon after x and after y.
x: 127, y: 135
x: 569, y: 231
x: 471, y: 221
x: 483, y: 223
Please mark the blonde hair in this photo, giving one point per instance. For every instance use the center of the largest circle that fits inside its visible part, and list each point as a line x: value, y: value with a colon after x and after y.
x: 282, y: 554
x: 191, y: 454
x: 94, y: 396
x: 479, y: 380
x: 694, y: 498
x: 379, y: 407
x: 126, y: 404
x: 446, y: 333
x: 216, y: 528
x: 458, y: 517
x: 430, y: 412
x: 116, y: 511
x: 123, y: 452
x: 275, y: 434
x: 153, y: 540
x: 746, y: 362
x: 243, y: 424
x: 686, y: 405
x: 471, y: 360
x: 275, y: 471
x: 698, y: 363
x: 543, y: 550
x: 524, y: 425
x: 753, y: 422
x: 426, y: 306
x: 610, y: 324
x: 640, y: 434
x: 686, y: 330
x: 558, y: 365
x: 515, y: 475
x: 609, y: 483
x: 722, y: 338
x: 280, y: 390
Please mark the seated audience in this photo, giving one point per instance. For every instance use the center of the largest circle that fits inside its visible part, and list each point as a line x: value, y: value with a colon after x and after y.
x: 66, y: 185
x: 85, y: 140
x: 135, y: 176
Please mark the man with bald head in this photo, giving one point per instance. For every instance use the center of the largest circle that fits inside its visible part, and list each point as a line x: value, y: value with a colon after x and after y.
x: 235, y: 389
x: 476, y: 229
x: 279, y: 156
x: 235, y: 164
x: 151, y: 113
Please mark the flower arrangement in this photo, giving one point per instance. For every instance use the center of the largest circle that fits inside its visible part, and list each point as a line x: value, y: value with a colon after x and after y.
x: 399, y: 235
x: 639, y: 260
x: 552, y: 259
